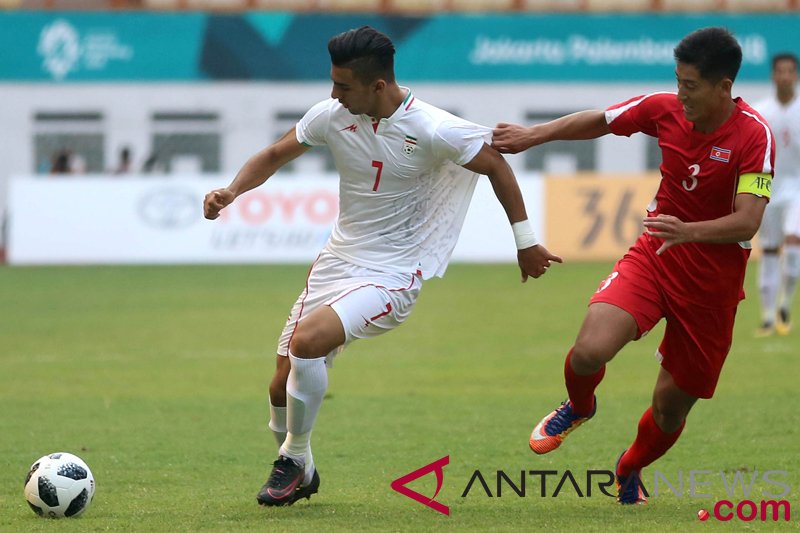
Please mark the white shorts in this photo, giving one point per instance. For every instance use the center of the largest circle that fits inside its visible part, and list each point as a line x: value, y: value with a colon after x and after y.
x: 369, y: 303
x: 782, y: 215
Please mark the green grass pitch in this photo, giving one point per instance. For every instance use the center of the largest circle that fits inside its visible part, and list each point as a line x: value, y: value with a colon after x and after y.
x: 157, y: 376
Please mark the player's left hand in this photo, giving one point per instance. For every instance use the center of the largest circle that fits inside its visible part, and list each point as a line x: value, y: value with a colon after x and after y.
x: 534, y: 261
x: 672, y: 229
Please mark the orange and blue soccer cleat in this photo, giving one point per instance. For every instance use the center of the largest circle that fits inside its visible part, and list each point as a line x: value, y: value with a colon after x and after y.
x: 629, y: 488
x: 554, y: 428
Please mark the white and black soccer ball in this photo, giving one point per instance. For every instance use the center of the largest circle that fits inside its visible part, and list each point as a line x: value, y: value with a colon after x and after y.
x: 59, y: 485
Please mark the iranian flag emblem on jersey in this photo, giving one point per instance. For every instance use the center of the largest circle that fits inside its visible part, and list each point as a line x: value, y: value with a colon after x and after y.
x: 409, y: 145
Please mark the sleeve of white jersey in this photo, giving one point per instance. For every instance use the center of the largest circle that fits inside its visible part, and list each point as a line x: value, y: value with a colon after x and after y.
x: 460, y: 140
x: 312, y: 129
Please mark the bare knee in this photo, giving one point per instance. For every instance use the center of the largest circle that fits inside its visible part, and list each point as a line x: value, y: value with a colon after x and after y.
x: 588, y: 359
x: 317, y: 335
x: 669, y: 418
x: 307, y: 342
x: 670, y: 408
x: 605, y: 330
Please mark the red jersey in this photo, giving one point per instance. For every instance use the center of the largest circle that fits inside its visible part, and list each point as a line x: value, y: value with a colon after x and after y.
x: 700, y: 175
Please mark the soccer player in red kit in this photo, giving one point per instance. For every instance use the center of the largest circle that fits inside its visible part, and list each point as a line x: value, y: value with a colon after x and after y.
x: 688, y: 266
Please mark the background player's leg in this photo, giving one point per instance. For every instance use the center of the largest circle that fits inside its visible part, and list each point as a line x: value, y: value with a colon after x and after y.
x: 659, y: 427
x: 791, y: 272
x: 769, y: 269
x: 769, y: 279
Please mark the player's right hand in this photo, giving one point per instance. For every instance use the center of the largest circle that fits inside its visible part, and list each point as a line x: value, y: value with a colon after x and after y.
x: 511, y: 138
x: 215, y: 201
x: 534, y: 261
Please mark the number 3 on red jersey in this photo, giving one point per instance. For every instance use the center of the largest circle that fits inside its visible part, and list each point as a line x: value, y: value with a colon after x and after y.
x: 691, y: 185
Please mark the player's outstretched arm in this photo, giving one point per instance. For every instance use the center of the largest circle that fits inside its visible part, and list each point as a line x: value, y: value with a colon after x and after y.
x: 255, y: 172
x: 533, y: 258
x: 513, y: 138
x: 739, y: 226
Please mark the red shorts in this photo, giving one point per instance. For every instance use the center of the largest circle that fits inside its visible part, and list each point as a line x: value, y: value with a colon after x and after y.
x: 696, y: 340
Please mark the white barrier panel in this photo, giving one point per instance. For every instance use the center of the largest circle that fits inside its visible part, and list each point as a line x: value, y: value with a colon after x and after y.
x: 112, y: 220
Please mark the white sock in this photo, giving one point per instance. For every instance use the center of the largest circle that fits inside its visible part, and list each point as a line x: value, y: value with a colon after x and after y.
x: 277, y: 424
x: 791, y: 271
x: 769, y: 278
x: 305, y: 388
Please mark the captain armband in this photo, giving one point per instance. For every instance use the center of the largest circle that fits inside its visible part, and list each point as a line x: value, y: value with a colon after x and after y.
x: 754, y: 183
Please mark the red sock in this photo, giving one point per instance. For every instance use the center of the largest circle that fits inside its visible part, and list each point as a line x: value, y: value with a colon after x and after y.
x: 650, y: 444
x: 581, y: 388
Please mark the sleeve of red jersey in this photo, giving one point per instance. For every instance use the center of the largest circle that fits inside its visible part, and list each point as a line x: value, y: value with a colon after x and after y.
x: 757, y: 157
x: 758, y: 154
x: 638, y: 114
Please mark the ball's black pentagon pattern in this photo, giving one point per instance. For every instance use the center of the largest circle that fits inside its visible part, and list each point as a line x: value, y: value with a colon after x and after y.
x: 33, y: 469
x: 47, y: 492
x: 72, y: 471
x: 36, y: 509
x: 77, y: 504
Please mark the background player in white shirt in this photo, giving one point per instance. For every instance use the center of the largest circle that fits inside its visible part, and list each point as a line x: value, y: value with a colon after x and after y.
x: 407, y: 172
x: 781, y: 225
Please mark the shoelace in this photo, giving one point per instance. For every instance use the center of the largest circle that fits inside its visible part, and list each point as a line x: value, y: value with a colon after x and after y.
x: 280, y: 473
x: 562, y: 420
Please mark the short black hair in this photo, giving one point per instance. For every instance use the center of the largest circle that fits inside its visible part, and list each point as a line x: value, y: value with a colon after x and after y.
x: 366, y: 51
x: 784, y: 56
x: 713, y: 51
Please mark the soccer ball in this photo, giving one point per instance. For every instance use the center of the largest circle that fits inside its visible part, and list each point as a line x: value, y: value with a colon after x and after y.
x: 59, y: 485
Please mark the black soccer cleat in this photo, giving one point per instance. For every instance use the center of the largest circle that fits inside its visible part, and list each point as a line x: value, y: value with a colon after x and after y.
x: 283, y: 482
x: 305, y: 491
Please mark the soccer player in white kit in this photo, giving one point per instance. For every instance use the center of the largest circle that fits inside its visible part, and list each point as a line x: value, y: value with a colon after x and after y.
x: 781, y: 225
x: 407, y: 172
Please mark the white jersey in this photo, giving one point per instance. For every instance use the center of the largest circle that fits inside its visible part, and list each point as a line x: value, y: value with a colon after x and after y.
x: 785, y: 123
x: 403, y: 195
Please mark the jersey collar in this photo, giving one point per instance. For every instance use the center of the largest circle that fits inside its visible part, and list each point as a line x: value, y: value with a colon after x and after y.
x: 401, y: 110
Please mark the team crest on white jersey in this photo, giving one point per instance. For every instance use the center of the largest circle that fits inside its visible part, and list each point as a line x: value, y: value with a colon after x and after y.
x: 409, y: 145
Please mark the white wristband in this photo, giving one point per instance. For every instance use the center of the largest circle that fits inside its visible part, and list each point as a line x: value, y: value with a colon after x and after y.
x: 523, y: 235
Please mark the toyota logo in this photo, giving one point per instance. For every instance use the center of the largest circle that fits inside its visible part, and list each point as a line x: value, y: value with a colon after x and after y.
x: 169, y: 208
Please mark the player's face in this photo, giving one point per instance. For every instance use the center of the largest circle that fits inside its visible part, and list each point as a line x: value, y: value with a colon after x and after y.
x: 356, y: 96
x: 785, y: 75
x: 702, y: 100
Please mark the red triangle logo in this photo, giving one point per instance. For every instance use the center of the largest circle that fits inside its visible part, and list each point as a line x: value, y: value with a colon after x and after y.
x: 437, y: 466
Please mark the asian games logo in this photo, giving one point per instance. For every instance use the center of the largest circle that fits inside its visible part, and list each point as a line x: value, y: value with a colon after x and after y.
x: 66, y: 51
x: 59, y: 44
